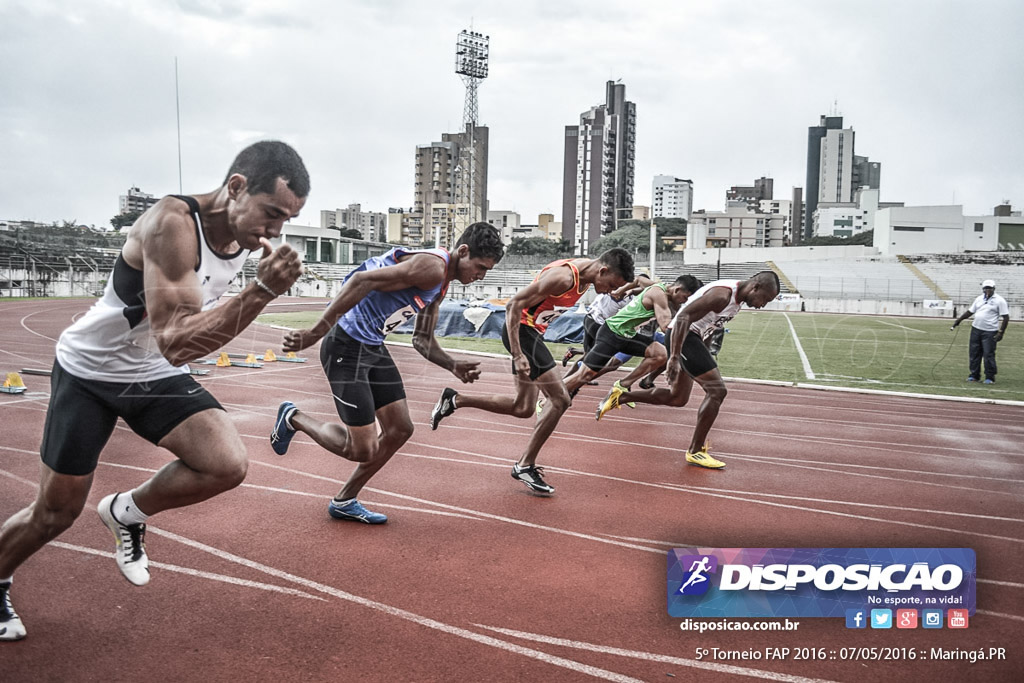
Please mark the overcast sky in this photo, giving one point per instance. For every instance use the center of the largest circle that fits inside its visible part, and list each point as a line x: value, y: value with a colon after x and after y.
x: 725, y: 91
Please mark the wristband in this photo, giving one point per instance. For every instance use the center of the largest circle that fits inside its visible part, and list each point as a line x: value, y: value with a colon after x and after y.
x: 262, y: 285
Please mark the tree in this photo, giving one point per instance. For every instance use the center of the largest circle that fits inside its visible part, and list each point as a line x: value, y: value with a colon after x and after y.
x: 866, y: 238
x: 123, y: 220
x: 351, y: 233
x: 537, y: 246
x: 635, y: 236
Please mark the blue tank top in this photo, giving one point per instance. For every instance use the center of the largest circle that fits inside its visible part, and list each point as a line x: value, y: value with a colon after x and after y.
x: 379, y: 313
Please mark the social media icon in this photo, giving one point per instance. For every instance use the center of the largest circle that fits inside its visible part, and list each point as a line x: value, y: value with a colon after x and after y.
x: 881, y: 618
x: 856, y: 618
x: 931, y: 618
x: 957, y: 618
x: 906, y: 618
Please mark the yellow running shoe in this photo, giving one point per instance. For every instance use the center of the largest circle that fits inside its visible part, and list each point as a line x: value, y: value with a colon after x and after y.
x: 611, y: 401
x: 703, y: 459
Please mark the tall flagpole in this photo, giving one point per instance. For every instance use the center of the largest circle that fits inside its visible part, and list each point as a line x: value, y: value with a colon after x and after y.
x: 177, y: 109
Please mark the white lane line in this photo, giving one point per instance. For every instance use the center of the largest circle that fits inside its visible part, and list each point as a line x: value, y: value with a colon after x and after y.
x: 666, y: 486
x: 749, y: 493
x: 390, y: 610
x: 485, y: 515
x: 800, y: 349
x: 234, y: 580
x: 470, y: 515
x: 760, y: 460
x: 1009, y: 584
x: 652, y: 657
x: 957, y: 475
x: 999, y: 614
x: 903, y: 327
x: 844, y: 514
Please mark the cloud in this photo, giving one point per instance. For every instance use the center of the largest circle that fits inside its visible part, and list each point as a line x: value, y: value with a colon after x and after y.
x: 725, y: 92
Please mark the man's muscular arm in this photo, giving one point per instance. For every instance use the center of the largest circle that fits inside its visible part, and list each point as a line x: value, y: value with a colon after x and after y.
x: 183, y: 331
x: 423, y: 271
x: 550, y: 283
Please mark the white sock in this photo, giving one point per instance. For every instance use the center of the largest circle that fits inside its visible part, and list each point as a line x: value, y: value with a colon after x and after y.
x: 343, y: 502
x: 126, y: 511
x: 288, y: 418
x: 7, y: 580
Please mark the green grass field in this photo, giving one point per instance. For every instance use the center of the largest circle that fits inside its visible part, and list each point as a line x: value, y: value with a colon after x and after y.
x: 918, y: 355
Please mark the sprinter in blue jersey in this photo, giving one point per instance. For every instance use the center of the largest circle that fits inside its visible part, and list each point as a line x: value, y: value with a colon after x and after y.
x: 377, y: 297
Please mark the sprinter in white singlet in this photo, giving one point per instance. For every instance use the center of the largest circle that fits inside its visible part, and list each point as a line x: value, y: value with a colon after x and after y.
x: 126, y: 357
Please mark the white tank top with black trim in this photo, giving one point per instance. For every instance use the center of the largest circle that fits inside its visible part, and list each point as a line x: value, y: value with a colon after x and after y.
x: 113, y: 341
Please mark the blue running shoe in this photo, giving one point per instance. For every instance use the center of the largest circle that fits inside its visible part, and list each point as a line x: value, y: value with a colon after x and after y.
x: 355, y: 512
x: 282, y: 434
x: 989, y: 381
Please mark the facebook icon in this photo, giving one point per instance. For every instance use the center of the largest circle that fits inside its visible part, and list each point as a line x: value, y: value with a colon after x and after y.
x: 856, y: 618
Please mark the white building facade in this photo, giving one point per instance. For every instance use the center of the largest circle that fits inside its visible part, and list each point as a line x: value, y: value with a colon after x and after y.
x: 507, y: 223
x: 671, y: 197
x: 736, y: 227
x: 836, y: 181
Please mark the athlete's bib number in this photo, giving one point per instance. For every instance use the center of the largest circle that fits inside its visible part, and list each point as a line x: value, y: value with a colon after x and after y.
x: 546, y: 317
x: 398, y: 318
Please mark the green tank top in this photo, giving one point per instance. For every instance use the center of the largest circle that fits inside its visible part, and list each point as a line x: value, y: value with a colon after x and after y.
x: 625, y: 322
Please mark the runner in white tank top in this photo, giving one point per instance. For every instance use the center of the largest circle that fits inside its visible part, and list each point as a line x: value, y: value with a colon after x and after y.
x: 126, y: 358
x: 706, y: 311
x: 113, y: 341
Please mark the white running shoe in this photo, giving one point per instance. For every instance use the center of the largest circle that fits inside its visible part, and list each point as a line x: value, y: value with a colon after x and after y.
x: 130, y: 552
x: 11, y: 627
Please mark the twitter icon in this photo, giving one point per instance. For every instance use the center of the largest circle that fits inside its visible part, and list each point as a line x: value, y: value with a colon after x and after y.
x: 881, y: 618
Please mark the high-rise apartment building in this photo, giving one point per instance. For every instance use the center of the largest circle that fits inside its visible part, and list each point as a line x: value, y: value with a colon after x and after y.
x: 372, y: 224
x: 135, y: 200
x: 834, y: 172
x: 815, y: 134
x: 671, y: 197
x: 598, y: 169
x: 440, y: 179
x: 753, y: 195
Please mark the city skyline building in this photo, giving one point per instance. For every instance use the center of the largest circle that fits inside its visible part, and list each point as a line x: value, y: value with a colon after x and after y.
x: 671, y: 197
x: 439, y: 180
x: 599, y: 167
x: 815, y: 135
x: 762, y: 189
x: 834, y: 172
x: 135, y: 201
x: 372, y: 225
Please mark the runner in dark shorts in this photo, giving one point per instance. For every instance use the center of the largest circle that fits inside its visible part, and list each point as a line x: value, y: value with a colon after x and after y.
x: 126, y: 357
x: 557, y: 288
x: 619, y: 334
x: 689, y: 359
x: 377, y: 297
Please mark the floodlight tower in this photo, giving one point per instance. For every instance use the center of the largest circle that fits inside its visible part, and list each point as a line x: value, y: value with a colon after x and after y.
x: 471, y: 61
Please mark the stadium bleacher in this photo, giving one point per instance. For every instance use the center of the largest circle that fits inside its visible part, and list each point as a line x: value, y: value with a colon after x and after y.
x: 885, y: 279
x: 960, y: 275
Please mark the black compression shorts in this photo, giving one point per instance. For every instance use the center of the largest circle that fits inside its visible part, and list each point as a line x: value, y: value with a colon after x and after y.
x: 590, y: 328
x: 82, y: 415
x: 532, y: 344
x: 696, y: 358
x: 608, y: 344
x: 363, y: 378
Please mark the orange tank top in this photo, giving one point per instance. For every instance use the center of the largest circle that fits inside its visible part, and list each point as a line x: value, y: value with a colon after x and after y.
x: 541, y: 315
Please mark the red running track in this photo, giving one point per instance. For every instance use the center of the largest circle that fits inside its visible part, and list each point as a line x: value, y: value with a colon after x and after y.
x: 474, y: 578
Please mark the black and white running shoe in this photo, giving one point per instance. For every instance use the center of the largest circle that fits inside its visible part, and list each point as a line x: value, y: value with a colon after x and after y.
x: 531, y: 476
x: 445, y: 407
x: 11, y: 627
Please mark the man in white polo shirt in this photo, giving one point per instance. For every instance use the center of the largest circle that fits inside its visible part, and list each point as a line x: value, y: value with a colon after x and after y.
x: 991, y: 316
